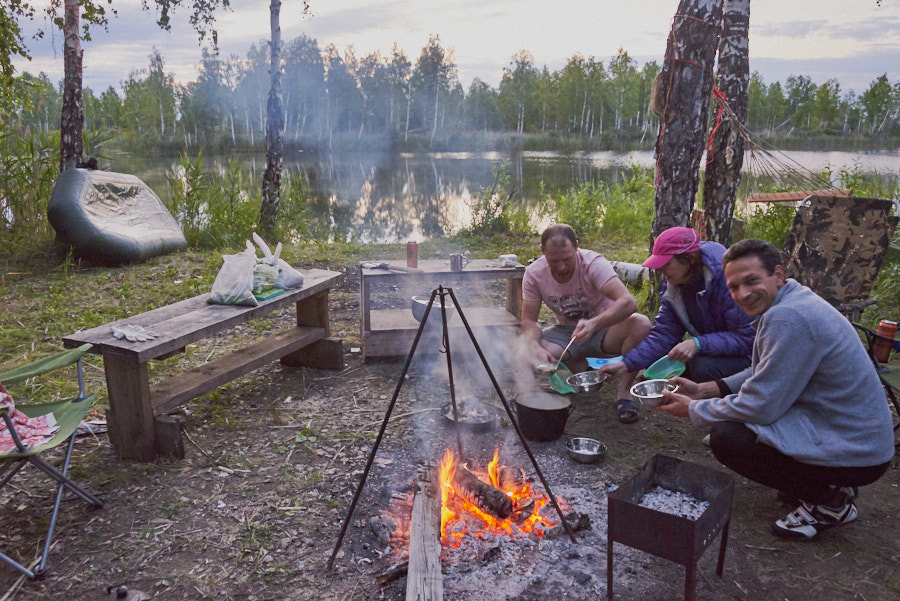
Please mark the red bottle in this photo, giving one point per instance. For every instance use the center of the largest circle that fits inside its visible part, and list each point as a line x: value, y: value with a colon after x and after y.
x: 412, y: 254
x: 881, y: 347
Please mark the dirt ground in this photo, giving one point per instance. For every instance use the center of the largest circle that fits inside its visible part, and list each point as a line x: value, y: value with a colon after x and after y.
x: 273, y: 459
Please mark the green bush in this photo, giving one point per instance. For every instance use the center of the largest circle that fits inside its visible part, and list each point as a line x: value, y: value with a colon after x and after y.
x: 494, y: 211
x: 620, y: 212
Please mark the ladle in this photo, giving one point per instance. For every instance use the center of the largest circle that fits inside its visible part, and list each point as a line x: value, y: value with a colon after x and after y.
x: 558, y: 361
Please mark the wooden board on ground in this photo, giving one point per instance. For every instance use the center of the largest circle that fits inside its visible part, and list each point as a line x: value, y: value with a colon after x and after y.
x: 424, y: 581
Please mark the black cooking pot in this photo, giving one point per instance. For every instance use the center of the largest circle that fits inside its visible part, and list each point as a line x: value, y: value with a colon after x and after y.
x: 542, y: 416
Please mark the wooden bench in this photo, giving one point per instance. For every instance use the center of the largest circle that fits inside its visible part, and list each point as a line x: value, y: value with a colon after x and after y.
x: 138, y: 425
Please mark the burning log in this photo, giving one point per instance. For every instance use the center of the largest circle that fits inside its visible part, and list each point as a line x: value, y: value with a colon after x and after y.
x: 482, y: 495
x: 511, y: 479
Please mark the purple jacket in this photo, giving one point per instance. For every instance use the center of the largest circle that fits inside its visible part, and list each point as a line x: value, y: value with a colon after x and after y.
x: 728, y: 330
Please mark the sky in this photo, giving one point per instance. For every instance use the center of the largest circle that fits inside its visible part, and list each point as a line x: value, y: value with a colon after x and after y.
x: 853, y: 41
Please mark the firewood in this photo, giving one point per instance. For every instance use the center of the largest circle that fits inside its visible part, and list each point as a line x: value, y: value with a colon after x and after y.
x: 482, y: 495
x: 393, y: 573
x: 511, y: 479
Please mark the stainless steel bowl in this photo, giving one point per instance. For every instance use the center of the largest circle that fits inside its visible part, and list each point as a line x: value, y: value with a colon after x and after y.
x: 420, y: 303
x: 586, y: 381
x: 545, y: 369
x: 649, y: 392
x: 585, y: 450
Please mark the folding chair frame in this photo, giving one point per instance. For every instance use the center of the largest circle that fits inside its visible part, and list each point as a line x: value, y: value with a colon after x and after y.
x: 23, y: 454
x: 882, y: 369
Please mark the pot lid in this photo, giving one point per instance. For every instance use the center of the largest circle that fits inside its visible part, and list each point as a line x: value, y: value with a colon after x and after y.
x: 542, y: 400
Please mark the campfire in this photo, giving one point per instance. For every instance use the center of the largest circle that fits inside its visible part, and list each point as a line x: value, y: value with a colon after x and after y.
x: 498, y: 501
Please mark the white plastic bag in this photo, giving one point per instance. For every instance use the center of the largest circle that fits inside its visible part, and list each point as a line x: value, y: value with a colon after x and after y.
x: 234, y: 282
x: 288, y: 277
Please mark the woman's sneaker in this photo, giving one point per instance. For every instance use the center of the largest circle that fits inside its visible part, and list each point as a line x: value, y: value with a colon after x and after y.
x: 805, y: 522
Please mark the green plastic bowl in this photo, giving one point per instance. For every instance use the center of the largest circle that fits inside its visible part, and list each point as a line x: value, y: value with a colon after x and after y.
x: 664, y: 368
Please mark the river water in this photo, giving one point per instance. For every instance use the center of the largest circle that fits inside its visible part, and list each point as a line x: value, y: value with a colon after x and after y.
x: 418, y: 196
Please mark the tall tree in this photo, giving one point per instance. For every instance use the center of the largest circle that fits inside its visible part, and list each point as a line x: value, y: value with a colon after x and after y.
x: 74, y: 30
x: 517, y: 89
x: 878, y: 103
x: 71, y: 122
x: 725, y: 152
x: 432, y: 80
x: 271, y: 184
x: 686, y: 79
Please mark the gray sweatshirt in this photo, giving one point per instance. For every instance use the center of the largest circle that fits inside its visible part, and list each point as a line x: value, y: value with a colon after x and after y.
x: 811, y: 390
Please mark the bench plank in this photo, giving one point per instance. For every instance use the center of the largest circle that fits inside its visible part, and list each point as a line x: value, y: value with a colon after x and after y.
x: 167, y: 395
x: 190, y: 320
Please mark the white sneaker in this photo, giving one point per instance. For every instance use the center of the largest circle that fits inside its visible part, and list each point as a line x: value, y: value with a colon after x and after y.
x: 805, y: 522
x: 706, y: 440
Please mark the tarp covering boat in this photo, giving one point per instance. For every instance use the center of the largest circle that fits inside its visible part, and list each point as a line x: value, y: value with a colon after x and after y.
x: 111, y: 217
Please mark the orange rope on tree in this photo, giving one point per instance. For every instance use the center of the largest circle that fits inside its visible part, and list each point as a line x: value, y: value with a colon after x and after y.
x: 662, y: 120
x: 722, y: 102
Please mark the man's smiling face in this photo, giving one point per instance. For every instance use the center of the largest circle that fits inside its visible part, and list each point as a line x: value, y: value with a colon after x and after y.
x: 751, y: 286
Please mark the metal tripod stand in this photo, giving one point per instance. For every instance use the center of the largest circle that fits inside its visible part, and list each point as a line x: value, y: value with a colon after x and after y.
x: 442, y: 292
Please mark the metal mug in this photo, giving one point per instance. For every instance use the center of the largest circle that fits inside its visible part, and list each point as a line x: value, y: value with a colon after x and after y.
x: 456, y: 262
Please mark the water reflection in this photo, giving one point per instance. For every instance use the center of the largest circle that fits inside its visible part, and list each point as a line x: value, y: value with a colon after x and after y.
x: 418, y: 196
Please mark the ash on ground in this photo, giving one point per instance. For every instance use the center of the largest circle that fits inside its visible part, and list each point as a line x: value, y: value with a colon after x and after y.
x: 674, y: 502
x: 525, y: 567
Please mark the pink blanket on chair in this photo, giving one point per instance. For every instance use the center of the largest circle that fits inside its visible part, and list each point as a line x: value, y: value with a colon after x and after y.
x: 31, y: 430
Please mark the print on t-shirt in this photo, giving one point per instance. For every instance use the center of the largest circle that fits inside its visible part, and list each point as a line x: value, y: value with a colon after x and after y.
x: 571, y: 305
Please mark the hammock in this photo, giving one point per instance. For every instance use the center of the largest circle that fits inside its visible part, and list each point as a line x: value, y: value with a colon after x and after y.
x: 780, y: 171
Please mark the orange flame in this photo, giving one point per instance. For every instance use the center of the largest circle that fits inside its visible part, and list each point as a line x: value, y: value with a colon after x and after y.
x: 454, y: 508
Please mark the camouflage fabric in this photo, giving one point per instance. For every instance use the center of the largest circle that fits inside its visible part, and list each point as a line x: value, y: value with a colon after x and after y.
x: 836, y: 245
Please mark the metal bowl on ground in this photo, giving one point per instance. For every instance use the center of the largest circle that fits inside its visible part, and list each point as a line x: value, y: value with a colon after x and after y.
x: 649, y: 392
x: 586, y: 381
x: 585, y: 450
x: 420, y: 303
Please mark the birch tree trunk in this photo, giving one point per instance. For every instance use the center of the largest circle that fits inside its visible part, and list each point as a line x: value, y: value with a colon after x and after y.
x: 71, y: 122
x: 687, y: 83
x: 271, y: 185
x: 725, y: 157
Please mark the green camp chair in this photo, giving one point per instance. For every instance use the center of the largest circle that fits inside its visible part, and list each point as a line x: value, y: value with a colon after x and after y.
x: 68, y: 414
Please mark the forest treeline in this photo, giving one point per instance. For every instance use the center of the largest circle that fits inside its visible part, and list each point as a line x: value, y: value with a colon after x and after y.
x: 331, y: 95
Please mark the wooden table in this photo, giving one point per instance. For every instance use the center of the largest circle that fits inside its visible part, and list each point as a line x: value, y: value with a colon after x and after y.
x: 137, y: 411
x: 390, y: 332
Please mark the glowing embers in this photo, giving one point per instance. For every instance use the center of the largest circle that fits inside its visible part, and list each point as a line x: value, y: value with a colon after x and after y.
x: 497, y: 501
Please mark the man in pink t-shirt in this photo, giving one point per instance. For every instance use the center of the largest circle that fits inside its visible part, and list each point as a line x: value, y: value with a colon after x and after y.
x: 591, y: 305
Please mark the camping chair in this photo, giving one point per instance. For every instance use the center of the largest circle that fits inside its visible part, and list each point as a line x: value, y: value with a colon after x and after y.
x: 68, y: 415
x: 889, y: 374
x: 836, y: 246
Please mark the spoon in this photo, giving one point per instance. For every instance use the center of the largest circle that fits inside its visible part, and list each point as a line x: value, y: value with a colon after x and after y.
x: 564, y: 352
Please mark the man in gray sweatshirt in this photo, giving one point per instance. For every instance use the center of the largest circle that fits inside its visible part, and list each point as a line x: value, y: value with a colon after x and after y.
x: 809, y: 416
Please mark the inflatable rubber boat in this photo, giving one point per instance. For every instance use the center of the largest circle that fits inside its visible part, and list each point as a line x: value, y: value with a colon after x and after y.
x: 111, y: 217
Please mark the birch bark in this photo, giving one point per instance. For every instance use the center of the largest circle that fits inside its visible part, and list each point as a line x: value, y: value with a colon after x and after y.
x: 725, y: 156
x: 687, y: 77
x: 71, y: 122
x: 271, y: 185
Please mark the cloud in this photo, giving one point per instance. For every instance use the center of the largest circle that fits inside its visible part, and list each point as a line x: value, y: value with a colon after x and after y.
x: 854, y: 42
x: 852, y: 72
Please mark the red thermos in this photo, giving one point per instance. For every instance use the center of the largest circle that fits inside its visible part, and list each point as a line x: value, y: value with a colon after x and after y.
x: 412, y: 254
x: 880, y: 347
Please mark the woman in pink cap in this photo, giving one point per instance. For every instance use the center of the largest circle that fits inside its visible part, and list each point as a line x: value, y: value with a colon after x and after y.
x: 694, y: 301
